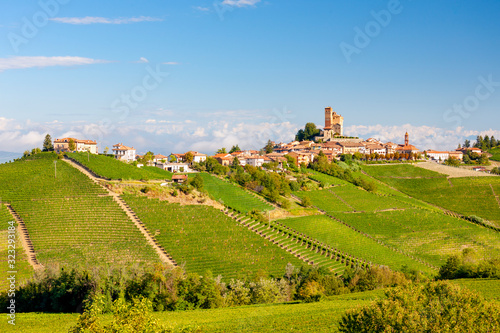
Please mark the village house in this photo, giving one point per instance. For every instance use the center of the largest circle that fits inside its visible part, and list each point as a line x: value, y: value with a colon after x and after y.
x: 124, y: 153
x: 351, y: 147
x: 390, y: 148
x: 62, y: 145
x: 197, y: 157
x: 159, y: 158
x: 333, y: 147
x: 174, y: 167
x: 302, y: 157
x: 179, y: 178
x: 471, y: 149
x: 375, y: 148
x: 224, y: 159
x: 444, y: 155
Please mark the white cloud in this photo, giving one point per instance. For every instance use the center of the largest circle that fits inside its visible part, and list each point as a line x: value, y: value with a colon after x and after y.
x: 240, y: 3
x: 30, y: 62
x: 142, y: 60
x: 202, y: 9
x: 172, y: 63
x: 150, y: 121
x: 104, y: 20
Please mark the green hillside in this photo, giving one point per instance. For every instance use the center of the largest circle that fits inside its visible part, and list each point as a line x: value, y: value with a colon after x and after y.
x: 496, y: 154
x: 340, y: 236
x: 202, y: 238
x: 70, y: 219
x: 21, y: 265
x: 467, y: 196
x: 232, y: 195
x: 108, y: 167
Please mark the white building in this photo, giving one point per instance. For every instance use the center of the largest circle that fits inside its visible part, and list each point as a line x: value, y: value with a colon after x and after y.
x: 124, y: 153
x: 62, y: 145
x: 174, y: 167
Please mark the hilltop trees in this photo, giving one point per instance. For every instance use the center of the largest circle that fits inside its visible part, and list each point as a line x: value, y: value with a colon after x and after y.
x: 269, y: 148
x: 234, y: 149
x: 47, y: 143
x: 308, y: 133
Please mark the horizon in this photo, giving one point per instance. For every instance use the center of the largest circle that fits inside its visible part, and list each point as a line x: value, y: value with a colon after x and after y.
x: 173, y: 77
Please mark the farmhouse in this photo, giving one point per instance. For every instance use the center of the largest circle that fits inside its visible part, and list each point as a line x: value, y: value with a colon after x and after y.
x: 179, y: 178
x: 124, y: 153
x: 444, y: 155
x: 62, y: 145
x: 174, y: 167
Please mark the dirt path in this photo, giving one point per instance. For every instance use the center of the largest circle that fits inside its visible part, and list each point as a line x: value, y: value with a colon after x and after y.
x: 25, y: 239
x: 164, y: 256
x: 451, y: 172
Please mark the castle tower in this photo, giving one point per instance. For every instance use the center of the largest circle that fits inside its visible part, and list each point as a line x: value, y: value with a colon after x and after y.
x: 407, y: 139
x: 328, y: 118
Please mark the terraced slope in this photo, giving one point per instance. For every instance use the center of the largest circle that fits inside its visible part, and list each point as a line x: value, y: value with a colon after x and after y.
x: 429, y: 235
x: 21, y: 265
x: 232, y: 195
x: 467, y: 196
x: 70, y: 219
x: 203, y: 238
x: 343, y: 238
x: 108, y: 167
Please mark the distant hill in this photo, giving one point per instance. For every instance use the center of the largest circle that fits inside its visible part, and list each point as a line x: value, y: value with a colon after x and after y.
x: 6, y: 156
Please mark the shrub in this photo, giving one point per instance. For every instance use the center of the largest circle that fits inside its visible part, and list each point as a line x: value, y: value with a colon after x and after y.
x: 435, y: 307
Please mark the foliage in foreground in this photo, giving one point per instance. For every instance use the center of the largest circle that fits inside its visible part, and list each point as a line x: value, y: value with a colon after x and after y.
x: 468, y: 266
x: 128, y: 317
x: 434, y: 307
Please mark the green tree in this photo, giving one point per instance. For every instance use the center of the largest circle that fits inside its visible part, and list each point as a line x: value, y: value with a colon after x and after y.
x: 197, y: 182
x: 221, y: 151
x: 189, y: 157
x: 308, y: 133
x: 452, y: 161
x: 71, y: 145
x: 172, y: 158
x: 47, y: 143
x: 106, y: 150
x: 306, y: 202
x: 234, y: 149
x: 269, y: 148
x: 467, y: 144
x: 434, y: 307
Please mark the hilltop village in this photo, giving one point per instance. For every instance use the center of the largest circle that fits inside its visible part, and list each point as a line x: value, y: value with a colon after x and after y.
x: 329, y: 141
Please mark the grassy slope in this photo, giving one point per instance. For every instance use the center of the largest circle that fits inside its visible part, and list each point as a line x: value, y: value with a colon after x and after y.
x: 341, y: 237
x: 69, y: 218
x: 204, y: 238
x: 111, y: 168
x: 467, y: 196
x: 496, y: 154
x: 312, y: 317
x: 231, y: 195
x: 23, y: 268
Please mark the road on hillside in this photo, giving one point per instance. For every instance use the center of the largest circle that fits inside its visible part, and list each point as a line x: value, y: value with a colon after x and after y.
x: 451, y: 172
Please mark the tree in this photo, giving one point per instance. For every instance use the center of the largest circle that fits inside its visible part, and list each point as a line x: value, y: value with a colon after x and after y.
x: 452, y: 161
x: 47, y: 143
x: 71, y: 145
x: 234, y: 149
x: 308, y: 133
x: 434, y: 307
x: 221, y: 151
x: 106, y: 150
x: 148, y: 158
x: 236, y: 162
x: 269, y: 148
x: 172, y: 158
x: 189, y: 157
x: 467, y: 144
x: 197, y: 182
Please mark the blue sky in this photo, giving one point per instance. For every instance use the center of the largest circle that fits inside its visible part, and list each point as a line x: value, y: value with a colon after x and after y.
x: 169, y: 76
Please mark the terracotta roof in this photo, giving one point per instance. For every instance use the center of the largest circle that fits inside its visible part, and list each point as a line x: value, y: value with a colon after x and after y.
x: 65, y: 140
x: 122, y: 147
x: 174, y: 177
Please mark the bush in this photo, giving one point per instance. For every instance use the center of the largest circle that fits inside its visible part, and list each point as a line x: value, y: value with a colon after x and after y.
x: 435, y: 307
x: 306, y: 202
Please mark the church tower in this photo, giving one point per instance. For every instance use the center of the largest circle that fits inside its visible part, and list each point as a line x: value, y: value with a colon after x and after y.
x: 328, y: 118
x: 407, y: 139
x: 334, y: 124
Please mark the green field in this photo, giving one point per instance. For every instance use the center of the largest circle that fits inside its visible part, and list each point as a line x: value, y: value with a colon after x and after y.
x: 401, y: 171
x: 343, y: 238
x: 232, y: 195
x: 23, y: 268
x: 467, y: 196
x: 496, y: 154
x: 429, y: 235
x: 203, y: 238
x: 489, y: 288
x: 70, y: 219
x: 108, y: 167
x: 327, y: 180
x: 288, y: 317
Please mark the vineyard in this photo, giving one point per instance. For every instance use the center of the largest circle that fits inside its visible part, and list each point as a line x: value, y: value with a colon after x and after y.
x: 70, y: 219
x: 110, y: 168
x: 325, y: 179
x: 428, y: 235
x: 340, y: 236
x: 202, y: 238
x: 232, y: 195
x: 467, y: 196
x: 23, y: 268
x: 495, y: 152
